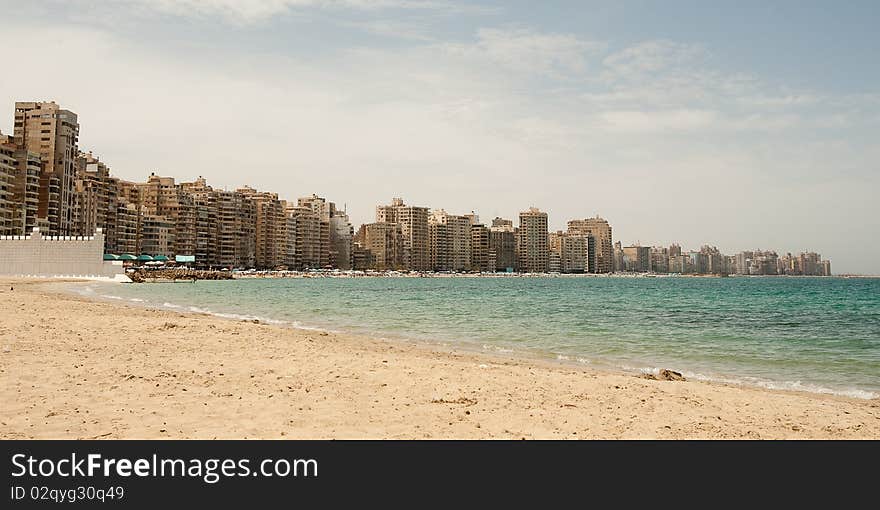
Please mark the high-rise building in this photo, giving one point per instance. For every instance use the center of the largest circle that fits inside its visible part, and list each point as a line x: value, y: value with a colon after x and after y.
x: 413, y: 223
x: 160, y: 196
x: 205, y: 224
x: 9, y: 222
x: 637, y: 259
x: 96, y: 200
x: 156, y: 235
x: 339, y: 230
x: 270, y: 230
x: 341, y: 236
x: 53, y: 133
x: 234, y: 230
x: 309, y: 238
x: 449, y: 241
x: 503, y: 243
x: 384, y: 243
x: 127, y: 221
x: 533, y: 250
x: 482, y: 255
x: 659, y: 259
x: 23, y: 190
x: 321, y: 210
x: 573, y: 253
x: 603, y: 259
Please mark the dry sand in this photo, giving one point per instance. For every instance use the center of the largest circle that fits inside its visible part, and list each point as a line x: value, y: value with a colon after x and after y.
x: 72, y: 368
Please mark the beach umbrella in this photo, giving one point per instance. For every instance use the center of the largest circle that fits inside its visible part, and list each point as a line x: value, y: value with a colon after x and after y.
x: 161, y: 258
x: 110, y: 256
x: 127, y: 256
x: 145, y: 258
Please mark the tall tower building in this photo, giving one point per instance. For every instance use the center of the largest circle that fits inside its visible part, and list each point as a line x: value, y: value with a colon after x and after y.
x: 413, y: 223
x: 270, y: 232
x: 46, y: 129
x: 449, y: 241
x: 502, y: 241
x: 162, y: 197
x: 600, y: 229
x: 533, y: 249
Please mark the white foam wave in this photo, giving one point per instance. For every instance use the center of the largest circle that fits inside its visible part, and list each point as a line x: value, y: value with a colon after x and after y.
x: 764, y: 383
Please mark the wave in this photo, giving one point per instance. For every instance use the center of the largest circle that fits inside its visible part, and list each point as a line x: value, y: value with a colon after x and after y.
x: 765, y: 383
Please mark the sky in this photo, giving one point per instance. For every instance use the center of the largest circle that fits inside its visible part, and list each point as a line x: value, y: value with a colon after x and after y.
x: 742, y: 125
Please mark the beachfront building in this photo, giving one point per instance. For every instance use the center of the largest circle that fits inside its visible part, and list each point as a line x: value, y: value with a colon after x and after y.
x: 533, y: 250
x: 341, y: 238
x: 156, y: 235
x: 97, y: 201
x: 23, y: 190
x: 449, y: 241
x: 270, y: 228
x: 502, y: 242
x: 160, y: 196
x: 659, y: 259
x: 637, y: 259
x: 308, y: 236
x: 482, y: 255
x: 601, y: 260
x: 234, y: 231
x: 803, y: 264
x: 413, y: 223
x: 205, y: 224
x: 8, y: 167
x: 568, y: 252
x: 383, y: 243
x: 126, y: 230
x: 53, y: 133
x: 339, y: 232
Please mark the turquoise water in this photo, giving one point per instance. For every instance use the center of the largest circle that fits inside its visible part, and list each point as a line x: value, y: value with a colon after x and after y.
x: 812, y: 334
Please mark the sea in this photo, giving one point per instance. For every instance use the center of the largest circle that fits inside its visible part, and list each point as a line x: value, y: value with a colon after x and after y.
x: 808, y: 334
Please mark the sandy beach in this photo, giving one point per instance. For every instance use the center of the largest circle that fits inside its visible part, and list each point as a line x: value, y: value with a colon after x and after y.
x: 73, y: 368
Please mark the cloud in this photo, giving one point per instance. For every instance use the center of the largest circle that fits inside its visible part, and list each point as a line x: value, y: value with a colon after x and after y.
x: 525, y: 50
x: 658, y: 121
x: 652, y: 57
x: 256, y: 11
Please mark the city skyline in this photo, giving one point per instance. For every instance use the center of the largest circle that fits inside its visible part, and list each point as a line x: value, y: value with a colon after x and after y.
x: 674, y: 137
x: 47, y: 182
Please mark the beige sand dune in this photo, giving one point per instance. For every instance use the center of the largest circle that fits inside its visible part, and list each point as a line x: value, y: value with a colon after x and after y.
x: 72, y: 368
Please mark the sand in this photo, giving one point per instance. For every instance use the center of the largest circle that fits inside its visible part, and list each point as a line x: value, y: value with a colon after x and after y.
x: 73, y: 368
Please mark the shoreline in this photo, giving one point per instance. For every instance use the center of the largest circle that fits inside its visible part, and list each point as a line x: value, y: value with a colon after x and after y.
x: 527, y: 355
x: 369, y: 388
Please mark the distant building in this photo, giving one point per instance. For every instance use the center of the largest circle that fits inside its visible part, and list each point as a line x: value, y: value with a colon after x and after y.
x: 602, y: 261
x: 309, y: 237
x: 449, y: 241
x: 637, y: 259
x: 413, y: 223
x: 270, y: 229
x: 341, y: 235
x: 482, y: 254
x: 533, y: 249
x: 384, y: 242
x: 502, y: 242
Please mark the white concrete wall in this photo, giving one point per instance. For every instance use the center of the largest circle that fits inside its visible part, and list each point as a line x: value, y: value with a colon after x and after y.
x: 49, y: 256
